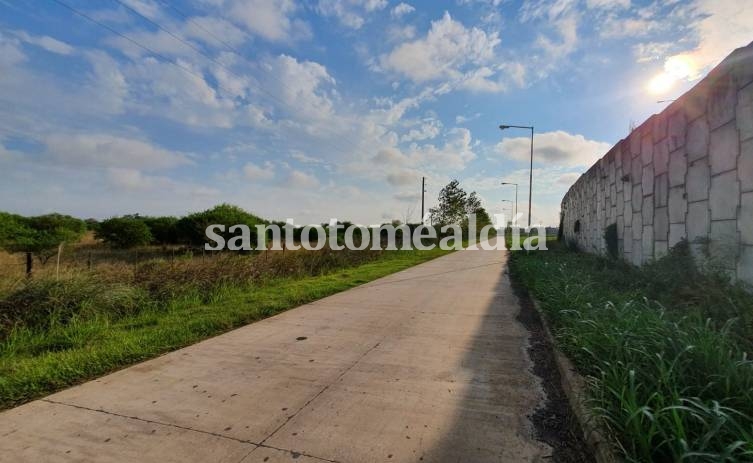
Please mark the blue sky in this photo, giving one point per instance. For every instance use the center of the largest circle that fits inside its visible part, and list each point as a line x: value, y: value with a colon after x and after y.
x: 331, y: 108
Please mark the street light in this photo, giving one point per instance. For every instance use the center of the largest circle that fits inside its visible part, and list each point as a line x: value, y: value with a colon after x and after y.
x: 516, y: 195
x: 530, y: 180
x: 511, y: 206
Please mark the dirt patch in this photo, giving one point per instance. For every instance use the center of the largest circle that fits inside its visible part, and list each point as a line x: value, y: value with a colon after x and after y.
x: 554, y: 421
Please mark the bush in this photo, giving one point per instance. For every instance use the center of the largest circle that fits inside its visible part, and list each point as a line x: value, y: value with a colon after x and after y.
x: 163, y: 229
x: 42, y: 303
x: 192, y: 228
x: 124, y: 232
x: 40, y: 235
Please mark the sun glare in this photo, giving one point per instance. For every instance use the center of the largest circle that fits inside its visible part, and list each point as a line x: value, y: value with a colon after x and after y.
x: 661, y: 83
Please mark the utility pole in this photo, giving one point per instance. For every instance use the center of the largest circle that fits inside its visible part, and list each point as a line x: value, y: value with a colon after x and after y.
x: 423, y: 190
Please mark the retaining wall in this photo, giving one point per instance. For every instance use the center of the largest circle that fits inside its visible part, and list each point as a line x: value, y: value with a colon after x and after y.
x: 684, y: 174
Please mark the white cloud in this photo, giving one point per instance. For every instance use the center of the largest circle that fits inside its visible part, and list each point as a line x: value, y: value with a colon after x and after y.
x: 557, y: 148
x: 426, y: 130
x: 133, y: 180
x: 350, y: 13
x: 448, y: 49
x: 270, y: 19
x: 48, y: 43
x: 608, y: 4
x: 301, y: 180
x: 303, y: 87
x: 212, y: 29
x: 254, y: 172
x: 401, y: 9
x: 103, y: 150
x: 401, y: 178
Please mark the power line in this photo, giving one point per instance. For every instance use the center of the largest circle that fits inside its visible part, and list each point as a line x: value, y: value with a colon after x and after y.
x: 207, y: 31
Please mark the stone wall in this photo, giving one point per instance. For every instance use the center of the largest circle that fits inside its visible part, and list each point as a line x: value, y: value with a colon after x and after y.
x: 684, y: 174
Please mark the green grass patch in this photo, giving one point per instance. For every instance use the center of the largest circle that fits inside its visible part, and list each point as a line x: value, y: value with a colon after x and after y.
x: 82, y: 328
x: 665, y: 350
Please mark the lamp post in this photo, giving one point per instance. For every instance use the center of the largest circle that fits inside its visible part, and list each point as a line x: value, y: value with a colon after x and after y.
x: 516, y: 195
x: 530, y: 179
x: 511, y: 206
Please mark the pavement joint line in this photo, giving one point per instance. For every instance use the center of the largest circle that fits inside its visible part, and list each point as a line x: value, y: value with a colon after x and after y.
x: 419, y: 277
x: 186, y: 428
x: 324, y: 389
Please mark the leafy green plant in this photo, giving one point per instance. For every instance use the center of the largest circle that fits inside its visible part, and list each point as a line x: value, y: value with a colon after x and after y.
x: 667, y: 367
x: 124, y: 232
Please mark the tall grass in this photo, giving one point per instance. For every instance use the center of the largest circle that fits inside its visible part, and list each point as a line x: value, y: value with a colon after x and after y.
x: 665, y: 350
x: 57, y: 333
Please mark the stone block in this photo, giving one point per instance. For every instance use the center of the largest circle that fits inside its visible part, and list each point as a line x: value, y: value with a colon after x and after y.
x: 723, y: 243
x: 676, y: 234
x: 724, y: 196
x: 661, y: 224
x: 634, y: 142
x: 626, y: 157
x: 694, y: 103
x: 678, y: 205
x: 647, y: 243
x: 661, y: 157
x: 648, y: 180
x: 745, y: 113
x: 723, y: 149
x: 745, y: 222
x: 745, y: 265
x: 678, y: 167
x: 637, y: 254
x: 676, y: 130
x: 647, y: 211
x: 697, y: 144
x: 636, y: 170
x: 698, y: 220
x: 619, y: 204
x: 699, y: 178
x: 628, y: 190
x: 660, y: 127
x: 637, y: 198
x: 743, y: 67
x: 722, y: 101
x: 637, y: 226
x: 628, y: 216
x: 745, y: 166
x: 620, y: 227
x: 647, y: 149
x: 660, y: 249
x: 661, y: 193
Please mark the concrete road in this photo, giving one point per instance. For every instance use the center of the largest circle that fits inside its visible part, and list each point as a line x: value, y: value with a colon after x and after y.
x: 428, y: 364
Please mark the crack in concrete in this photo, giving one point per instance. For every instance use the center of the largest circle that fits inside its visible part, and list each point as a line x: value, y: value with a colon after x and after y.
x: 324, y: 389
x: 186, y: 428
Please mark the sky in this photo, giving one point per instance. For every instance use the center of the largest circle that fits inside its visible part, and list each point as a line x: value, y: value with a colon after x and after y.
x: 332, y: 108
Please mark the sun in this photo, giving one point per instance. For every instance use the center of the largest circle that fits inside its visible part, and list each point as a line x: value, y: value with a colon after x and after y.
x: 661, y: 83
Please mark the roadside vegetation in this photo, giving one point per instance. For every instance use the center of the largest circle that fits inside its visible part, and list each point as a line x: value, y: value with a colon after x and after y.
x: 81, y: 298
x: 665, y: 349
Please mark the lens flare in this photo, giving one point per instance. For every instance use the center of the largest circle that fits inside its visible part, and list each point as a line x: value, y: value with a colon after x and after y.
x: 661, y: 83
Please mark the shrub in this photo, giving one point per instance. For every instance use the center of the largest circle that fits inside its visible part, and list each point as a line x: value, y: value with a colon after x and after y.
x: 40, y: 235
x: 124, y: 232
x: 163, y: 229
x: 192, y: 228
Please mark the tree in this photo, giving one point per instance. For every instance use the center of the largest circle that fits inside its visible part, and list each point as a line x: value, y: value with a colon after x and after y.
x: 452, y: 207
x: 191, y: 229
x: 41, y: 235
x: 455, y: 205
x: 163, y: 229
x: 124, y: 232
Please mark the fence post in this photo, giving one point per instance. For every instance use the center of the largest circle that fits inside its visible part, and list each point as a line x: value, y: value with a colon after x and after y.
x: 89, y: 261
x: 29, y: 264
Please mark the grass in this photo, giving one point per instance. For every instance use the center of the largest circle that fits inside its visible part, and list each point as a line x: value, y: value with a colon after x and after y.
x: 665, y: 350
x: 59, y: 333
